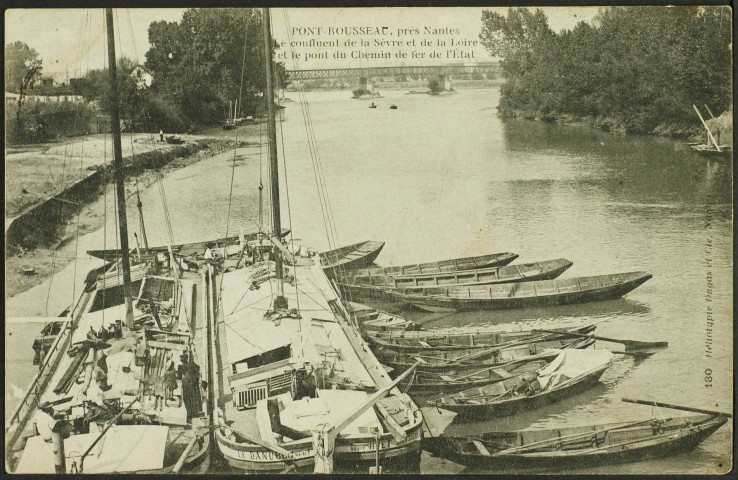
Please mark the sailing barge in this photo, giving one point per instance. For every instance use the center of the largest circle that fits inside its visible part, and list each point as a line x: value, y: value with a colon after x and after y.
x: 297, y: 386
x: 108, y: 396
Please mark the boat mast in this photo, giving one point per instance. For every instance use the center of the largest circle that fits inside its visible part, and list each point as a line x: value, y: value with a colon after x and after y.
x: 118, y: 168
x: 139, y: 205
x: 280, y: 301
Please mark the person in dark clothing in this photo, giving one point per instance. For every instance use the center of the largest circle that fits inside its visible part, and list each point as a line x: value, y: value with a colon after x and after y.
x: 191, y: 390
x: 170, y: 383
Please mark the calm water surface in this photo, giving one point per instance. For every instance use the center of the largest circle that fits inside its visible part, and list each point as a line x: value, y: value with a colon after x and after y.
x: 443, y: 177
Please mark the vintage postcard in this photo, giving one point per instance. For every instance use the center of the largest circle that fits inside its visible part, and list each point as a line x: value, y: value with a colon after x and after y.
x: 369, y: 240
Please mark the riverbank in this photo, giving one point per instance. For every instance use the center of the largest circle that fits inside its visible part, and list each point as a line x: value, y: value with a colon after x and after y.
x: 604, y: 123
x: 27, y: 268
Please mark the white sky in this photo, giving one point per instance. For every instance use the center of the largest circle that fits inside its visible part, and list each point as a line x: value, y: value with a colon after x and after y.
x: 72, y: 40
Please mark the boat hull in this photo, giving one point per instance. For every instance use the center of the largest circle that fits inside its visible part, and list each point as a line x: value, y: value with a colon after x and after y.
x: 435, y: 342
x: 185, y: 249
x: 336, y: 261
x: 663, y: 445
x: 450, y: 367
x: 523, y: 403
x: 349, y: 454
x: 361, y: 286
x: 441, y: 303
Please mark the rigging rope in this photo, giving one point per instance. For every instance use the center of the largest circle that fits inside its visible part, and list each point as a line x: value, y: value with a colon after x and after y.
x: 289, y: 212
x: 311, y: 147
x: 318, y: 171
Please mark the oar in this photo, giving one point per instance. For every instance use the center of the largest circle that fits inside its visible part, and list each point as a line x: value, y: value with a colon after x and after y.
x: 555, y: 440
x: 515, y: 343
x: 675, y: 407
x: 630, y: 345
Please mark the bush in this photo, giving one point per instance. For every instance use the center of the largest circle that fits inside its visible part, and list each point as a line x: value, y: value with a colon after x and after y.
x: 361, y: 91
x: 40, y: 122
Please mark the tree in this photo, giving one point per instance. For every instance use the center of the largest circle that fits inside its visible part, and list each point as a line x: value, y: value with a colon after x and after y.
x: 636, y: 69
x: 22, y: 67
x: 435, y: 85
x: 211, y: 57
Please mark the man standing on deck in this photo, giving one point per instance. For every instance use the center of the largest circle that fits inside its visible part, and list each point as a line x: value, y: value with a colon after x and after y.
x: 191, y: 390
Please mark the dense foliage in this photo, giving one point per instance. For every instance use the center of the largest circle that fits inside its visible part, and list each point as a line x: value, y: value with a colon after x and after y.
x: 42, y: 121
x: 637, y: 69
x: 22, y: 66
x: 198, y: 63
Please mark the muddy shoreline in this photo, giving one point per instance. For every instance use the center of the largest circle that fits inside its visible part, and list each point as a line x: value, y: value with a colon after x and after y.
x: 26, y: 268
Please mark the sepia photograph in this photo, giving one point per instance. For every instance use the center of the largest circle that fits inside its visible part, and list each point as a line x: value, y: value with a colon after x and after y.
x: 414, y: 240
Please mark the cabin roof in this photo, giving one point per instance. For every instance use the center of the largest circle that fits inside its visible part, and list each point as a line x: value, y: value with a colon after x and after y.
x: 124, y: 448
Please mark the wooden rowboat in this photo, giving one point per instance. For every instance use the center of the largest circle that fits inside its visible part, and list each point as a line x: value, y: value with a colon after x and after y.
x: 452, y: 265
x: 184, y: 249
x: 376, y: 286
x: 433, y: 382
x: 577, y: 447
x: 358, y: 255
x: 461, y: 361
x: 440, y: 340
x: 377, y: 320
x: 573, y: 371
x: 523, y: 294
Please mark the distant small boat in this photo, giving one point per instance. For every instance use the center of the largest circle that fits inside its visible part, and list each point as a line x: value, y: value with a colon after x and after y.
x: 523, y: 294
x: 577, y: 447
x: 393, y: 107
x: 372, y: 105
x: 572, y: 371
x: 724, y: 152
x: 452, y: 265
x: 358, y: 255
x: 377, y: 286
x: 174, y: 140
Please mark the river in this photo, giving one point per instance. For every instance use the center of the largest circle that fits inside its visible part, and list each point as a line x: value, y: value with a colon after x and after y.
x: 444, y: 177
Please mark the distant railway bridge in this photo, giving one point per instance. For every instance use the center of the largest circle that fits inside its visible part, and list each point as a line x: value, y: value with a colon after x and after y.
x: 370, y: 72
x: 365, y: 75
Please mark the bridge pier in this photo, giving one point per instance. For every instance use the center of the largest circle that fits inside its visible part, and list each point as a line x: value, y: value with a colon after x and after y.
x: 445, y: 80
x: 366, y: 83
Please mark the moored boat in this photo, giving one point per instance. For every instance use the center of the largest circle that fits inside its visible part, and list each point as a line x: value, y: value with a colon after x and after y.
x: 460, y: 361
x: 424, y: 382
x: 193, y: 249
x: 373, y: 320
x: 441, y: 266
x: 541, y: 293
x: 431, y: 341
x: 358, y: 255
x: 297, y: 385
x: 119, y: 388
x: 577, y: 447
x: 572, y: 371
x: 376, y: 286
x: 42, y: 343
